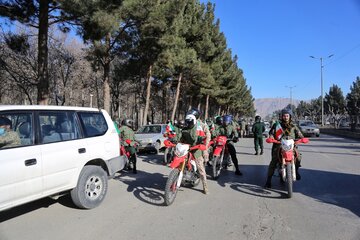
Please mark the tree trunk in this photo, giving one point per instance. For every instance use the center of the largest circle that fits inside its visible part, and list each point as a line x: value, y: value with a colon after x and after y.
x: 176, y: 97
x: 43, y: 82
x: 107, y: 62
x: 207, y: 106
x: 148, y: 88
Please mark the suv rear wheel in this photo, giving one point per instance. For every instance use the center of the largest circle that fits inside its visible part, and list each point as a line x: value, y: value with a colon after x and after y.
x: 91, y: 188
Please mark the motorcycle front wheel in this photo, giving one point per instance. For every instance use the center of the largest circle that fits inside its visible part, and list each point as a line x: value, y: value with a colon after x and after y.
x: 171, y: 188
x: 289, y: 179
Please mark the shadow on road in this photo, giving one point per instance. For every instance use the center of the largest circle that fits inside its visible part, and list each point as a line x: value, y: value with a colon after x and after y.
x: 340, y: 189
x: 147, y: 187
x: 35, y: 205
x: 157, y: 159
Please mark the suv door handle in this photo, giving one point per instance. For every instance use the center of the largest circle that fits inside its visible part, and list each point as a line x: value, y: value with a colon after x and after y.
x: 30, y: 162
x: 82, y: 150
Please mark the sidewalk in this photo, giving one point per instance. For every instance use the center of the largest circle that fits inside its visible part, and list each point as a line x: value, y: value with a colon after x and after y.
x: 341, y: 133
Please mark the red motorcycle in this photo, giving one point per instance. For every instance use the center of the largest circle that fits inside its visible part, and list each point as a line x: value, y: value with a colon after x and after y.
x: 287, y: 160
x: 220, y: 156
x: 184, y: 170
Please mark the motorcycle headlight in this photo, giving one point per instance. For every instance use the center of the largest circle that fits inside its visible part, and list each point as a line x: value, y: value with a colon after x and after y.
x: 287, y: 145
x: 181, y: 149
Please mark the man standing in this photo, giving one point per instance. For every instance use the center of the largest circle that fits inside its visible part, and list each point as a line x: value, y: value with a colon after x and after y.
x: 127, y: 136
x: 242, y: 128
x: 258, y: 129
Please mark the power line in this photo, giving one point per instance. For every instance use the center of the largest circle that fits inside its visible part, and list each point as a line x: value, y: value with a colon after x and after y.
x: 343, y: 55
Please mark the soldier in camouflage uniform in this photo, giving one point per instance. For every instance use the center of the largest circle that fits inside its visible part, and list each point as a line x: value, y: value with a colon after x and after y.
x: 127, y: 136
x: 242, y: 128
x: 291, y: 131
x: 217, y: 125
x: 228, y: 130
x: 196, y: 112
x: 8, y: 138
x: 258, y: 129
x: 194, y: 134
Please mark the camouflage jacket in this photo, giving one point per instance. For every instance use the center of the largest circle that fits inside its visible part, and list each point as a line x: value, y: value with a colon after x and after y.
x: 127, y: 133
x: 9, y: 139
x: 228, y: 131
x: 291, y: 131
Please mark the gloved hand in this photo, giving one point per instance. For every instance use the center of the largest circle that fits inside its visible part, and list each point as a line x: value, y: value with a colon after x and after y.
x: 236, y: 139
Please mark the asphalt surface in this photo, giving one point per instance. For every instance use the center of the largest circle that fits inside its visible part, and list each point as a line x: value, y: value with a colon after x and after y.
x: 325, y: 204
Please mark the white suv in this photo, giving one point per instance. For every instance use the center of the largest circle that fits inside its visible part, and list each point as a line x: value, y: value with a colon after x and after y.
x: 60, y: 150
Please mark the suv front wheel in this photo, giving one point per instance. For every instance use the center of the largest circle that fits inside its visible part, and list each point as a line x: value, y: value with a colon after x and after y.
x: 91, y: 187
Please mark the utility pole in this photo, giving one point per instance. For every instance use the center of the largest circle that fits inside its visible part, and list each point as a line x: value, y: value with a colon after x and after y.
x: 291, y: 103
x: 322, y: 84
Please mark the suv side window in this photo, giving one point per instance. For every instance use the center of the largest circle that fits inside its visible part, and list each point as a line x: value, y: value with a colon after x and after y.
x: 58, y: 126
x: 20, y: 132
x: 94, y: 123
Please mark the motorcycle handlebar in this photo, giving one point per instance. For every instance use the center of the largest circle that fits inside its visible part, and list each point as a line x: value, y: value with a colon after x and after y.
x: 301, y: 140
x: 201, y: 147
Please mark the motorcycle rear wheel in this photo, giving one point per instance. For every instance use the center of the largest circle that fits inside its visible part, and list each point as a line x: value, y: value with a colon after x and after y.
x: 289, y: 179
x: 196, y: 181
x: 217, y: 165
x: 168, y: 154
x: 171, y: 188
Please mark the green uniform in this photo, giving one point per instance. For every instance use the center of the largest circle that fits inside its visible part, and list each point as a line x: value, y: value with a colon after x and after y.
x: 190, y: 136
x: 194, y: 136
x: 9, y: 139
x: 230, y: 132
x: 242, y: 128
x: 125, y: 134
x: 258, y: 128
x: 289, y: 130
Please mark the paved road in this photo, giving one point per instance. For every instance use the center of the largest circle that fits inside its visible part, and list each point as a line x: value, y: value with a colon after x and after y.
x: 325, y: 205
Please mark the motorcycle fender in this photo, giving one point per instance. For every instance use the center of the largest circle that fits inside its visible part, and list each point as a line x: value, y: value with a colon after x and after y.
x: 293, y: 171
x: 176, y: 161
x: 217, y: 151
x: 289, y: 155
x: 193, y: 165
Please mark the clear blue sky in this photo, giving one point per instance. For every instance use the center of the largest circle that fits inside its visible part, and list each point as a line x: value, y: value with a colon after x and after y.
x: 273, y: 40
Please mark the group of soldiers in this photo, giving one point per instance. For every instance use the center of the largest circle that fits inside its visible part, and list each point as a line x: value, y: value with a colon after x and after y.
x: 194, y: 131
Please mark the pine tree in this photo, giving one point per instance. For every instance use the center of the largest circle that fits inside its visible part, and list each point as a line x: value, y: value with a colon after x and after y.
x: 110, y: 29
x: 39, y: 14
x: 335, y: 104
x: 353, y: 102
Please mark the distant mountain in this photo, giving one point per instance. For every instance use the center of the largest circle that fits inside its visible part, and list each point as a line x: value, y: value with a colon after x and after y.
x: 266, y: 106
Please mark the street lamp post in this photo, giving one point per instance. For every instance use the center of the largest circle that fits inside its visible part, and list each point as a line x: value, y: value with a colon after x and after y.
x: 321, y: 80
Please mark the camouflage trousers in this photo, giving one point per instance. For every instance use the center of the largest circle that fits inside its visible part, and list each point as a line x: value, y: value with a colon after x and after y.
x: 201, y: 167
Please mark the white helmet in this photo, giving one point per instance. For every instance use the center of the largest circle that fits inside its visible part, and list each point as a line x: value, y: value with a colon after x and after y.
x: 190, y: 121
